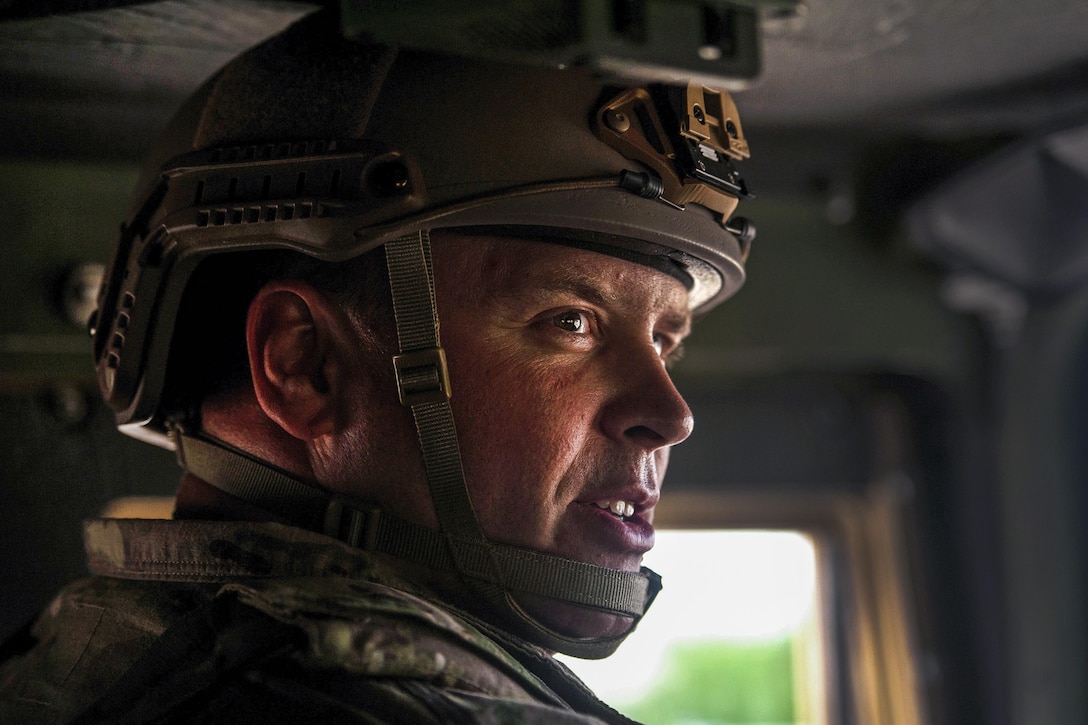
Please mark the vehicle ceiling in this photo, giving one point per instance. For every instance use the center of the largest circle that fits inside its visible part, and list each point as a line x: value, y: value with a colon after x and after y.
x: 879, y: 100
x: 99, y: 84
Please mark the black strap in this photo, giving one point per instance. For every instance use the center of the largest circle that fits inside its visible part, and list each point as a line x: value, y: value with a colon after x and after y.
x: 411, y: 283
x: 243, y: 476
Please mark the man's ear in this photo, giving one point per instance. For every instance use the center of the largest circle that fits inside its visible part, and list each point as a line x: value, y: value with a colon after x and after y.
x: 296, y: 341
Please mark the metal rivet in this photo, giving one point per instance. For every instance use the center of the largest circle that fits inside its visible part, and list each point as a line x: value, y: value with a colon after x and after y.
x: 617, y: 121
x: 698, y: 113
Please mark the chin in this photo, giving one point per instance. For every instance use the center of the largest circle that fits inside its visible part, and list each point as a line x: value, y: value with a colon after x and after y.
x: 572, y: 620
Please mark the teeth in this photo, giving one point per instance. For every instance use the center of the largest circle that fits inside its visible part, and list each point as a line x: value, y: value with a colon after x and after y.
x: 622, y: 509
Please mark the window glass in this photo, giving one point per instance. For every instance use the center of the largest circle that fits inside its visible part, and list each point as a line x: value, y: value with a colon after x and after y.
x: 732, y: 638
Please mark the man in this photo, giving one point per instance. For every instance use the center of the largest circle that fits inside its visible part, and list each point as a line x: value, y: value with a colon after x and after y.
x: 379, y: 522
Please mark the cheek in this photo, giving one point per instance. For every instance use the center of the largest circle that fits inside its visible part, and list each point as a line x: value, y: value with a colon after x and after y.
x: 551, y: 405
x: 378, y: 458
x: 511, y: 417
x: 522, y: 430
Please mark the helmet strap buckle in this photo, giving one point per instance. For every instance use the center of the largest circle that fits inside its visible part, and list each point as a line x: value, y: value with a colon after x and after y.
x: 354, y: 526
x: 422, y: 376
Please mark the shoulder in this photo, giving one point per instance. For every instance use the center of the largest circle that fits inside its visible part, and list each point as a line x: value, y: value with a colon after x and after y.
x: 367, y: 628
x: 86, y: 639
x: 276, y: 650
x: 277, y: 691
x: 329, y: 626
x: 368, y: 652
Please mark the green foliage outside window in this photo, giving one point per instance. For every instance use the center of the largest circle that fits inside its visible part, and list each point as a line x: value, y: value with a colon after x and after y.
x: 721, y: 683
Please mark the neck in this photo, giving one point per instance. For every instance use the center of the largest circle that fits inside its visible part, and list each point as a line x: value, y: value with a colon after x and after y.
x: 197, y: 499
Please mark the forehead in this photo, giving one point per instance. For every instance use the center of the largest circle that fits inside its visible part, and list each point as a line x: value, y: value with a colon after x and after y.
x: 496, y: 267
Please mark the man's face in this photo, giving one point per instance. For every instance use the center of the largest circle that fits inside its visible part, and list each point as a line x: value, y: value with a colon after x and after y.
x: 564, y: 408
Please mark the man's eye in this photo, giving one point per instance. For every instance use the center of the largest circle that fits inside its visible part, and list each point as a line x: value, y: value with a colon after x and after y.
x: 670, y: 351
x: 571, y: 321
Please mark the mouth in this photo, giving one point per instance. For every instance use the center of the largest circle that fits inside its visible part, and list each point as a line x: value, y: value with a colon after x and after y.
x: 622, y: 510
x: 619, y: 526
x: 612, y: 521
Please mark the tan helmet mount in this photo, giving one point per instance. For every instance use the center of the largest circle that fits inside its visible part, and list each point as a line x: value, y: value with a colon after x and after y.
x: 692, y: 161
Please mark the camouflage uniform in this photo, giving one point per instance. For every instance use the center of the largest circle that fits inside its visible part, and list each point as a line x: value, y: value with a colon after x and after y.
x: 204, y: 621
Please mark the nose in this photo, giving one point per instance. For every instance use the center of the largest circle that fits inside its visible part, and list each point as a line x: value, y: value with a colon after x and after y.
x: 647, y: 409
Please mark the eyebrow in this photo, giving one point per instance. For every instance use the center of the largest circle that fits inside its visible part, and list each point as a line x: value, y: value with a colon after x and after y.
x: 679, y: 323
x: 588, y: 288
x: 577, y: 285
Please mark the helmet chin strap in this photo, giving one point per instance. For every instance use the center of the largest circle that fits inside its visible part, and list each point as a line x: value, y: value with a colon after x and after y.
x: 495, y: 572
x: 423, y: 386
x: 626, y: 594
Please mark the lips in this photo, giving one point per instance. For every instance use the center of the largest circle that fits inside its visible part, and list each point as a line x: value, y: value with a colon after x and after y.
x: 616, y: 526
x: 611, y: 540
x: 610, y: 521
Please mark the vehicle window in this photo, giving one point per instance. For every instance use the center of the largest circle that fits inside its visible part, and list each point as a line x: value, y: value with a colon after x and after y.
x: 734, y: 636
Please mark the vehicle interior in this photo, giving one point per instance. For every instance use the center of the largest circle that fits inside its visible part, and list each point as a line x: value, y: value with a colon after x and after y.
x: 903, y: 380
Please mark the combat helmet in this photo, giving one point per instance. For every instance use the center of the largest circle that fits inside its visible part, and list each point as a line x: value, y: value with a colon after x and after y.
x: 331, y: 147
